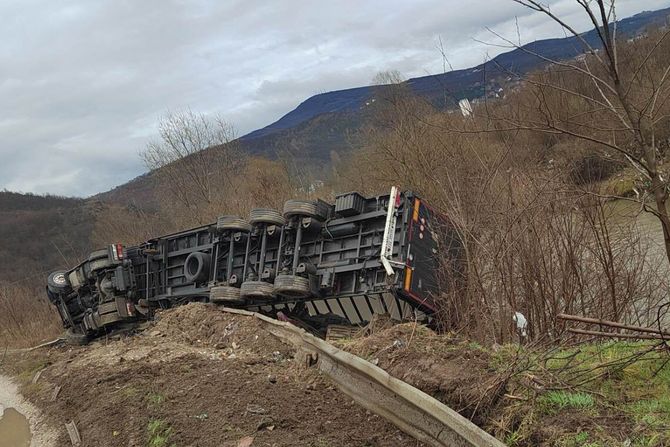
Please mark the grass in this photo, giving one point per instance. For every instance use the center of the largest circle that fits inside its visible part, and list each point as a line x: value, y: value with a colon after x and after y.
x: 624, y: 386
x: 159, y: 433
x: 26, y: 317
x: 555, y: 401
x: 581, y: 439
x: 155, y: 399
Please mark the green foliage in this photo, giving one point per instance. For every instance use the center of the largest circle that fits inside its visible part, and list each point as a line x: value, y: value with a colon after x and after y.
x: 155, y: 399
x: 581, y: 439
x: 559, y: 400
x: 159, y: 433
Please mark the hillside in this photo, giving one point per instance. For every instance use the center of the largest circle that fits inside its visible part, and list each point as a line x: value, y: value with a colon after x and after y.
x: 324, y: 122
x: 40, y: 233
x: 331, y: 122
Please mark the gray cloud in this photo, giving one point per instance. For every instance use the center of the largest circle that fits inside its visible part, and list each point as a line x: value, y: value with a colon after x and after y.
x: 82, y: 84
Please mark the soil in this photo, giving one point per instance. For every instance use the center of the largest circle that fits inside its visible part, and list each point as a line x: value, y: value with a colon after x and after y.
x: 452, y: 370
x: 467, y: 378
x: 196, y: 377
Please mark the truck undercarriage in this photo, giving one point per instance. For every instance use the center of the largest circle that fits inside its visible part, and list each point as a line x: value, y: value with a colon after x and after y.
x: 315, y: 262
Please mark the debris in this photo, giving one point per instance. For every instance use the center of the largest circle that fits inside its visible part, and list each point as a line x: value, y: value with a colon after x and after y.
x: 256, y: 409
x: 340, y: 332
x: 265, y: 424
x: 202, y: 416
x: 37, y: 375
x: 73, y: 432
x: 521, y: 323
x: 246, y: 441
x: 155, y: 333
x: 272, y: 378
x: 55, y: 393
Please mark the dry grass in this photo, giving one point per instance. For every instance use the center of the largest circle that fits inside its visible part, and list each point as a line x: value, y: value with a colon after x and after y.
x: 26, y: 317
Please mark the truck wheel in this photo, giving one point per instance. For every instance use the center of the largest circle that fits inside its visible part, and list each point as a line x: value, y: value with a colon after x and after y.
x: 225, y: 295
x: 266, y: 216
x: 232, y: 223
x: 306, y: 208
x: 292, y: 286
x: 73, y: 338
x: 196, y: 267
x: 57, y: 282
x: 259, y: 290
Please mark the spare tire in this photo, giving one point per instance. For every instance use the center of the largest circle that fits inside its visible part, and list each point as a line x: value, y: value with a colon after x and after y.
x: 225, y: 295
x: 266, y: 216
x: 292, y: 286
x: 196, y: 267
x: 232, y: 223
x: 57, y: 282
x: 100, y: 260
x: 306, y: 208
x: 259, y: 290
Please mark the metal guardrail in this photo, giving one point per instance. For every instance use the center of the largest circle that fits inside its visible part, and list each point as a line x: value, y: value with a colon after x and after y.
x: 410, y: 409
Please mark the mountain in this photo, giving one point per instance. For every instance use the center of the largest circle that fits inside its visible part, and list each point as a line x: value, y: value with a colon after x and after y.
x: 327, y: 121
x: 38, y: 233
x: 330, y: 122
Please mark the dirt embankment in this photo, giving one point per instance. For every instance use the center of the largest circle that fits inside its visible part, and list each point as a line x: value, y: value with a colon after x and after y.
x: 597, y: 395
x: 198, y: 377
x: 201, y: 377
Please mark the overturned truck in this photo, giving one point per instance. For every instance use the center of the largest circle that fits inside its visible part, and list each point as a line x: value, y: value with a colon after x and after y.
x: 315, y: 264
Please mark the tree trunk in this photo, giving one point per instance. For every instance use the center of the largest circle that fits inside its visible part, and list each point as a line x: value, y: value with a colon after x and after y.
x: 661, y: 197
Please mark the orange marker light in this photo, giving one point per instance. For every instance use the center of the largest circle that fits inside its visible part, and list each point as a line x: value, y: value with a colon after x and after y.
x: 415, y: 215
x: 408, y: 278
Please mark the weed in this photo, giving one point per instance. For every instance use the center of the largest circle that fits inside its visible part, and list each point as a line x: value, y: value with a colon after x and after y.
x: 514, y: 438
x: 555, y: 401
x: 159, y: 433
x: 155, y: 399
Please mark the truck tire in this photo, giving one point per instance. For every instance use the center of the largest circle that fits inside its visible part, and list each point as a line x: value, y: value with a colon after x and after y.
x: 58, y: 283
x: 196, y: 267
x: 292, y: 286
x: 305, y: 208
x: 99, y: 260
x: 258, y: 290
x: 232, y: 223
x: 266, y: 216
x: 225, y: 295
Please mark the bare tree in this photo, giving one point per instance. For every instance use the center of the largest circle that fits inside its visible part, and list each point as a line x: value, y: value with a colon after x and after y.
x: 616, y: 105
x: 195, y: 159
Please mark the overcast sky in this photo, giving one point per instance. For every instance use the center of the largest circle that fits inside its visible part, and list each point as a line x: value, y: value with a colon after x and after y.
x: 83, y: 83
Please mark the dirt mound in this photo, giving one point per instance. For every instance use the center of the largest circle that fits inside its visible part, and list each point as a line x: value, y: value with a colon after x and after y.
x: 197, y: 377
x: 452, y: 370
x: 199, y: 324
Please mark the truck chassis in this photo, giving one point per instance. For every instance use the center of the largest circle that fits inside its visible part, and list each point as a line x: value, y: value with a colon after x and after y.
x: 315, y: 262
